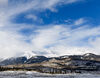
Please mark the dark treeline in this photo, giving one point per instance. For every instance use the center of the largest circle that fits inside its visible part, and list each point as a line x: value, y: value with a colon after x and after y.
x: 51, y: 70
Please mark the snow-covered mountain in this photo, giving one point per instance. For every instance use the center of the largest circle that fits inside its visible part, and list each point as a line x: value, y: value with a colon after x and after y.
x: 36, y: 59
x: 13, y: 60
x: 28, y: 54
x: 31, y: 58
x: 23, y: 60
x: 62, y: 64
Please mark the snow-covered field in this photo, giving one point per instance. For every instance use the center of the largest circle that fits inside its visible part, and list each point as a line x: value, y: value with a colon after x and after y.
x: 21, y: 74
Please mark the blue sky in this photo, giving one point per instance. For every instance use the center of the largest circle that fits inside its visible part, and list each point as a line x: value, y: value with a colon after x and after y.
x: 49, y: 27
x: 89, y: 9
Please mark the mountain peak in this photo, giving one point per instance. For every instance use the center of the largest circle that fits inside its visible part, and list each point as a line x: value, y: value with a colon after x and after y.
x: 29, y: 54
x: 89, y: 54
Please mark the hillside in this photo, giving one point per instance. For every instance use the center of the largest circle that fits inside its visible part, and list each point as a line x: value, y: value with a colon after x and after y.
x: 63, y: 64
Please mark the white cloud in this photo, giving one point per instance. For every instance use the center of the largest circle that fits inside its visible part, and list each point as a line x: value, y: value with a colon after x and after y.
x: 80, y: 21
x: 3, y: 2
x: 47, y: 37
x: 95, y: 43
x: 12, y: 44
x: 50, y: 40
x: 34, y: 18
x: 61, y: 50
x: 13, y: 8
x: 60, y: 40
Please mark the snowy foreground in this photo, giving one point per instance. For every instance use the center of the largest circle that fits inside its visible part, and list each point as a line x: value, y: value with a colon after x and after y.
x: 23, y: 74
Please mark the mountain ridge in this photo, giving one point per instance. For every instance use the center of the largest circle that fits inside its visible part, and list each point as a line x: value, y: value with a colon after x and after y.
x: 73, y: 63
x: 37, y: 59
